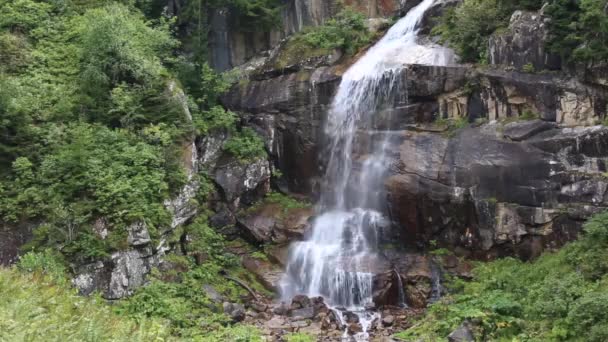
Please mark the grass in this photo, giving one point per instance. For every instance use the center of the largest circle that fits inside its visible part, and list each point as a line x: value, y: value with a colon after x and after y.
x: 34, y: 308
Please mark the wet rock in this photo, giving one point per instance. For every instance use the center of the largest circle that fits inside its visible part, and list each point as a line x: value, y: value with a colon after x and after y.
x: 304, y: 313
x: 182, y: 207
x: 351, y: 317
x: 481, y: 199
x: 281, y: 309
x: 354, y: 328
x: 300, y: 301
x: 138, y: 234
x: 519, y: 131
x: 271, y: 223
x: 388, y: 321
x: 267, y: 273
x: 235, y: 311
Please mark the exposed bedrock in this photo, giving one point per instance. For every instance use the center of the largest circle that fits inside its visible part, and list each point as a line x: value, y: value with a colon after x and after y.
x: 523, y: 175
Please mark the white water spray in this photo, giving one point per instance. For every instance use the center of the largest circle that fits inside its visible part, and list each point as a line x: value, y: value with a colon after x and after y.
x: 338, y: 259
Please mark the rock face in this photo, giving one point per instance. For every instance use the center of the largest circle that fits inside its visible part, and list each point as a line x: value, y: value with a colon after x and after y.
x: 486, y: 193
x: 505, y: 185
x: 296, y: 103
x: 118, y: 277
x: 231, y: 46
x: 524, y: 44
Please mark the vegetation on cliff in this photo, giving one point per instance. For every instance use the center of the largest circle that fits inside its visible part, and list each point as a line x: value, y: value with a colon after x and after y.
x: 578, y: 29
x: 94, y: 119
x: 562, y: 296
x: 346, y: 32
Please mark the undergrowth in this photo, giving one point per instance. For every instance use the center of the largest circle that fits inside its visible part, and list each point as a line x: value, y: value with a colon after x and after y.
x: 562, y: 296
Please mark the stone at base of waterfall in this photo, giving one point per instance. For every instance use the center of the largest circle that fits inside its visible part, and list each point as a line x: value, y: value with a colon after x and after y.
x: 258, y: 307
x: 304, y: 313
x: 387, y: 321
x: 299, y: 302
x: 235, y: 311
x: 354, y: 328
x: 281, y: 309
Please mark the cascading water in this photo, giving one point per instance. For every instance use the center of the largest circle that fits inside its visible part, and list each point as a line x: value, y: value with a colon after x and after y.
x: 337, y: 260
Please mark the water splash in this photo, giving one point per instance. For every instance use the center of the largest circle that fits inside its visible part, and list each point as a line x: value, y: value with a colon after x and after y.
x: 339, y: 258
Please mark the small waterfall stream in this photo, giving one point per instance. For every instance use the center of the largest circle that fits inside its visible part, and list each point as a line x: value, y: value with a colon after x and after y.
x: 337, y: 260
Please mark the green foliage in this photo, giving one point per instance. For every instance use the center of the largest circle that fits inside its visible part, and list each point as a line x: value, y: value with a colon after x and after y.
x: 468, y: 27
x: 286, y: 202
x: 95, y: 172
x: 299, y: 337
x: 559, y: 297
x: 48, y: 263
x: 528, y: 115
x: 246, y: 145
x: 33, y: 307
x: 578, y: 29
x: 347, y: 32
x: 529, y: 68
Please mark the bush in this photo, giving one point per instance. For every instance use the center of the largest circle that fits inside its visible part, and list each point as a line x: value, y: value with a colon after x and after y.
x: 246, y: 146
x: 347, y: 32
x: 48, y: 263
x: 468, y: 27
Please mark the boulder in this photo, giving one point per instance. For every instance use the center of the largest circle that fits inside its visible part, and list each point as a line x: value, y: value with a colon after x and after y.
x: 235, y: 311
x: 138, y: 234
x: 272, y: 223
x: 304, y: 313
x: 463, y: 333
x: 268, y: 274
x: 242, y: 181
x: 300, y: 301
x: 118, y: 277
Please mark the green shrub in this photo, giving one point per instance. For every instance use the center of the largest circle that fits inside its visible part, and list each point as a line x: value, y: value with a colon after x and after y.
x: 529, y: 68
x: 47, y: 262
x: 468, y: 27
x: 347, y: 32
x: 246, y: 145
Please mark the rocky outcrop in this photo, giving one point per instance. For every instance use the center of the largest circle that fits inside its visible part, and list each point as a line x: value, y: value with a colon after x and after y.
x: 272, y: 223
x: 523, y: 44
x: 117, y: 277
x: 289, y: 110
x: 502, y: 186
x: 484, y: 193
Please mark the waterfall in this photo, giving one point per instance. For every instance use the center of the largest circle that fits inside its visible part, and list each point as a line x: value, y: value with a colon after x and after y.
x: 338, y: 258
